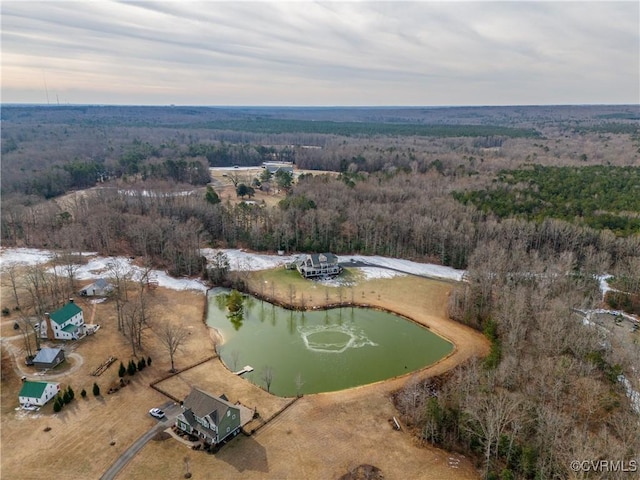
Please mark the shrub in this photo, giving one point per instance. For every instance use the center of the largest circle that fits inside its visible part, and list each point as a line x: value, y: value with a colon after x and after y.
x: 83, y: 393
x: 131, y: 370
x: 96, y: 389
x: 5, y: 312
x: 149, y: 361
x: 122, y: 370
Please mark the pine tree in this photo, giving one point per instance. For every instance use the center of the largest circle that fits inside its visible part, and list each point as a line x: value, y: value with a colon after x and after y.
x: 66, y: 398
x: 72, y: 394
x: 56, y: 405
x: 122, y: 370
x: 149, y: 361
x: 96, y: 389
x: 131, y: 370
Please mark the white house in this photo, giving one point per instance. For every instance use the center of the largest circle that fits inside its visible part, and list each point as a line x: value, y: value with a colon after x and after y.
x: 37, y: 393
x: 64, y: 324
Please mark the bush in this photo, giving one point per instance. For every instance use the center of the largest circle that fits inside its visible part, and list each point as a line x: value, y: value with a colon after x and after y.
x: 149, y: 361
x: 131, y: 370
x: 122, y: 370
x: 83, y: 393
x: 5, y: 312
x: 96, y: 389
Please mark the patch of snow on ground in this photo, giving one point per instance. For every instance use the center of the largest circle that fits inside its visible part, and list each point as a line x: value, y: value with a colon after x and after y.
x: 633, y: 395
x: 24, y: 256
x: 407, y: 266
x: 372, y: 273
x: 240, y: 260
x: 604, y: 284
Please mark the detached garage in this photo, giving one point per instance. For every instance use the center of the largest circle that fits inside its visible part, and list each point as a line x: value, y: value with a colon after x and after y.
x: 37, y: 393
x: 48, y: 358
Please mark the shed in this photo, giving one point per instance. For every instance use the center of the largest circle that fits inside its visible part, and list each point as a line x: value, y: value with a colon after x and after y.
x: 48, y: 358
x: 98, y: 288
x: 37, y: 393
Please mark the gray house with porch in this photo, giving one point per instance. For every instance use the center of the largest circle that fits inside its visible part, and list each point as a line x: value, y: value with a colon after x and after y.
x: 210, y: 418
x: 316, y: 265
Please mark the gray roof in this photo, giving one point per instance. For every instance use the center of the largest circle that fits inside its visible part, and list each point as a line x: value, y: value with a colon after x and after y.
x: 318, y: 259
x: 202, y: 404
x: 47, y: 355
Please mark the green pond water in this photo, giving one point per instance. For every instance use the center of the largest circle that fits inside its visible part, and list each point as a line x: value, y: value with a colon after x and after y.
x: 319, y: 351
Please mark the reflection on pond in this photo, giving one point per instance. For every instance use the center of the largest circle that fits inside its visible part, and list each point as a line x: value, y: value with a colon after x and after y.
x: 295, y: 352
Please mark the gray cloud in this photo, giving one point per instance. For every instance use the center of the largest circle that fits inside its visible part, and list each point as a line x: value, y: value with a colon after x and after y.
x: 303, y: 53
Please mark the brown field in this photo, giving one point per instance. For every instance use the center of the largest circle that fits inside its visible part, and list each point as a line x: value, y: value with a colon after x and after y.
x: 318, y: 436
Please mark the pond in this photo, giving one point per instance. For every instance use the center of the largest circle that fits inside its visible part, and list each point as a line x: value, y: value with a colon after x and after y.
x: 319, y: 351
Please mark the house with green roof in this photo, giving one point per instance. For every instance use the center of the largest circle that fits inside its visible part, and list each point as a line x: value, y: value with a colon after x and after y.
x: 64, y: 324
x: 37, y: 393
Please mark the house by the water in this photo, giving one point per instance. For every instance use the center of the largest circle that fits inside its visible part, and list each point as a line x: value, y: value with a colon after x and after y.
x: 316, y: 265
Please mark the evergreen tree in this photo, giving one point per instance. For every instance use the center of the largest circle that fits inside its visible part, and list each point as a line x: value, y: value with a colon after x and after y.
x: 83, y: 393
x: 122, y: 370
x: 149, y: 361
x: 72, y: 394
x: 66, y: 398
x: 56, y: 405
x: 96, y: 389
x: 131, y: 370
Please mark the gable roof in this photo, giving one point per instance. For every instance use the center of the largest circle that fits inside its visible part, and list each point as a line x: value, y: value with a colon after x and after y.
x: 202, y: 404
x: 47, y: 355
x: 33, y: 389
x: 65, y: 313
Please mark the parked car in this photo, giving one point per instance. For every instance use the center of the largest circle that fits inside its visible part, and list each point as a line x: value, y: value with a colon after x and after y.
x: 156, y: 412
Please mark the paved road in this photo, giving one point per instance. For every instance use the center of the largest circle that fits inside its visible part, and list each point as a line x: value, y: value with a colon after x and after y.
x: 172, y: 410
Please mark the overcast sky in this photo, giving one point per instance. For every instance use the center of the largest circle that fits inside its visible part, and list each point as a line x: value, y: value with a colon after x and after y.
x: 307, y: 53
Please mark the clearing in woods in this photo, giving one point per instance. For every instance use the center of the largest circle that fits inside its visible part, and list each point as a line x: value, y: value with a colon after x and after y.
x: 318, y: 436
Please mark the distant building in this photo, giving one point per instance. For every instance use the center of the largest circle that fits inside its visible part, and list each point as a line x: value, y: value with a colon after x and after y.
x: 210, y: 418
x: 37, y: 393
x: 316, y: 265
x: 64, y: 324
x: 99, y: 288
x: 48, y: 358
x: 275, y: 167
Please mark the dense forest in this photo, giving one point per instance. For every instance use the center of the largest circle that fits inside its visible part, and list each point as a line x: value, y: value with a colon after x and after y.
x: 535, y: 202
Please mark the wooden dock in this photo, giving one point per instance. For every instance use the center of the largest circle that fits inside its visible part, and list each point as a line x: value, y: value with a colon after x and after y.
x: 246, y: 369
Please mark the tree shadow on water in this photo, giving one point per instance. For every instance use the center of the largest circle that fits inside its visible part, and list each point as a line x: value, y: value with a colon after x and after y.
x: 245, y: 454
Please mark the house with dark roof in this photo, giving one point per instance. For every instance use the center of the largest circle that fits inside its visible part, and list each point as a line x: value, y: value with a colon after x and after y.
x: 64, y: 324
x: 317, y: 265
x: 48, y: 358
x: 98, y: 288
x: 210, y: 418
x: 37, y: 393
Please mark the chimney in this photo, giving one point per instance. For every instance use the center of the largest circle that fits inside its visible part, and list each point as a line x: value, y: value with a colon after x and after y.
x: 47, y: 319
x: 71, y: 300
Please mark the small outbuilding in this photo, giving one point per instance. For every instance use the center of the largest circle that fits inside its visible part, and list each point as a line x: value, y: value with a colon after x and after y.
x: 37, y: 393
x: 48, y: 358
x: 99, y: 288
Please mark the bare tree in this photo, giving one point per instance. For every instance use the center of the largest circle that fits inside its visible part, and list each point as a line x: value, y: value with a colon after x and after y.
x: 267, y: 377
x: 173, y: 337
